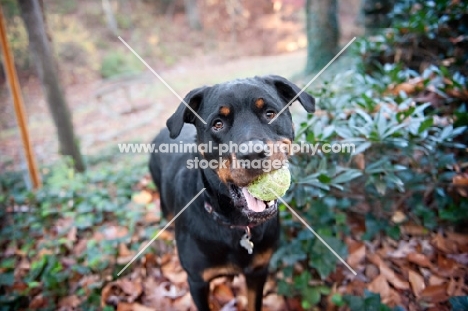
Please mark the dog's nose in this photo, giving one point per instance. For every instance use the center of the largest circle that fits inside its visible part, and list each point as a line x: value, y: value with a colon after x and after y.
x: 252, y: 150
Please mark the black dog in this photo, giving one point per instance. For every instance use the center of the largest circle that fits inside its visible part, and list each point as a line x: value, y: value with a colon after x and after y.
x: 225, y: 231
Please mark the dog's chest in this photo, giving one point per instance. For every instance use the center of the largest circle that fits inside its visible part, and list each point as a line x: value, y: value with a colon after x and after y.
x: 258, y: 260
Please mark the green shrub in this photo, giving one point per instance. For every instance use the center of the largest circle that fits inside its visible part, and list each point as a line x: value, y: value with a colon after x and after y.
x: 422, y: 33
x: 116, y: 64
x: 405, y: 109
x: 402, y: 155
x: 90, y: 202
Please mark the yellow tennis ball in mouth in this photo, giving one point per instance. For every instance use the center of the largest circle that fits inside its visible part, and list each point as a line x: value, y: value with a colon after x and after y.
x: 271, y: 185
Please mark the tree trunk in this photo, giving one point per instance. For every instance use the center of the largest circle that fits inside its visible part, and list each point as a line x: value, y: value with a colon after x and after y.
x: 110, y: 17
x: 47, y: 71
x: 322, y: 33
x: 193, y: 17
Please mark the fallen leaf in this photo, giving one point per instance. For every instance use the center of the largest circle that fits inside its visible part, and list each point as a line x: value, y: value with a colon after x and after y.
x: 404, y: 249
x: 143, y: 197
x: 405, y: 87
x: 374, y: 258
x: 436, y: 280
x: 153, y: 212
x: 125, y: 306
x: 115, y: 232
x: 124, y: 251
x: 131, y: 288
x: 452, y: 287
x: 393, y: 300
x: 460, y: 239
x: 274, y: 302
x: 414, y: 230
x: 174, y: 272
x: 80, y: 247
x: 419, y: 259
x: 446, y: 266
x: 71, y: 235
x: 371, y: 271
x: 434, y: 293
x: 89, y: 282
x: 171, y: 291
x: 380, y: 285
x: 460, y: 180
x: 154, y: 296
x: 106, y: 292
x: 19, y: 286
x: 69, y: 302
x: 416, y: 281
x: 166, y: 236
x: 460, y: 258
x: 230, y: 306
x: 183, y: 303
x: 356, y: 255
x: 392, y: 277
x: 444, y: 244
x: 360, y: 161
x: 38, y: 302
x: 223, y: 293
x: 398, y: 217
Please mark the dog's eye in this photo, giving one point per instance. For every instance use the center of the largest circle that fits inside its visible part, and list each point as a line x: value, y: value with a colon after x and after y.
x: 270, y: 114
x: 217, y: 125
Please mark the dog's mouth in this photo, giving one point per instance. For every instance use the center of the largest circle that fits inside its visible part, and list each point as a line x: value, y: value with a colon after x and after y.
x: 257, y: 211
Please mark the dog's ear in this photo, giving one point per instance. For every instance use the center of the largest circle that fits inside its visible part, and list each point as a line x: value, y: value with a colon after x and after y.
x: 184, y: 114
x: 288, y: 90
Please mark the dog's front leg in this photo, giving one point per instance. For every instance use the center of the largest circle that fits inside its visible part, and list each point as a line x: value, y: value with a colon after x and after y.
x: 255, y: 281
x: 200, y: 290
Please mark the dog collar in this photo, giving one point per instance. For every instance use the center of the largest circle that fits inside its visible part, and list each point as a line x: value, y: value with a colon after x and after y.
x: 222, y: 220
x: 245, y: 241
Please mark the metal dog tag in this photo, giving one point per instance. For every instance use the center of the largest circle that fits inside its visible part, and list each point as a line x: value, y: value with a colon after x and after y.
x: 245, y: 241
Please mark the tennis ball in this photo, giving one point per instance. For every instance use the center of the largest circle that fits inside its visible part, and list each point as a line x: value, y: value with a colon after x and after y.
x: 278, y: 181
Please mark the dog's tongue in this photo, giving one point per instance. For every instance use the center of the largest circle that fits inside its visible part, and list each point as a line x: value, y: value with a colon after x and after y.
x: 253, y: 203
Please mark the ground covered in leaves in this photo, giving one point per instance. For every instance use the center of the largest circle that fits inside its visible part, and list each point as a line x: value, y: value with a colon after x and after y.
x: 71, y: 265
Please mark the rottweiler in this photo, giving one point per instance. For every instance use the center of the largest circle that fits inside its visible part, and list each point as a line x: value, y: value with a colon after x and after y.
x: 225, y: 230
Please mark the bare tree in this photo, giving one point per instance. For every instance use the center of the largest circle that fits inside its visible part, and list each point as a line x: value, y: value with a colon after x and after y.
x: 47, y: 70
x: 193, y: 16
x: 322, y: 33
x: 110, y: 17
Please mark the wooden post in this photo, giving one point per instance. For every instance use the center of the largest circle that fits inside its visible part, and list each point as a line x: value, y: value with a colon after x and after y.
x: 18, y: 103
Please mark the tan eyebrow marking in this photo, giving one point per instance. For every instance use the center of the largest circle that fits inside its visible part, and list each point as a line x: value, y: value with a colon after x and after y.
x: 259, y: 103
x: 225, y: 111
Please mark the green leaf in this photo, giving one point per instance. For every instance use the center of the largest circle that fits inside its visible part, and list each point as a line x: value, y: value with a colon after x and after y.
x: 311, y: 295
x: 8, y: 263
x: 459, y: 303
x: 362, y: 147
x: 348, y: 175
x: 425, y: 125
x: 323, y: 178
x: 7, y: 278
x: 337, y: 300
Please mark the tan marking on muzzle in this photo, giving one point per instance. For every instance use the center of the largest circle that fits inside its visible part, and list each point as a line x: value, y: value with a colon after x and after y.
x: 224, y: 173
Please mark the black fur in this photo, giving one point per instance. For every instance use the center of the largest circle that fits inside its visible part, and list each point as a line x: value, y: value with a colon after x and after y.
x: 203, y: 242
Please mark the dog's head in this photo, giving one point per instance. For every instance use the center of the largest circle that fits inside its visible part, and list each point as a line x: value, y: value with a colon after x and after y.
x: 249, y: 126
